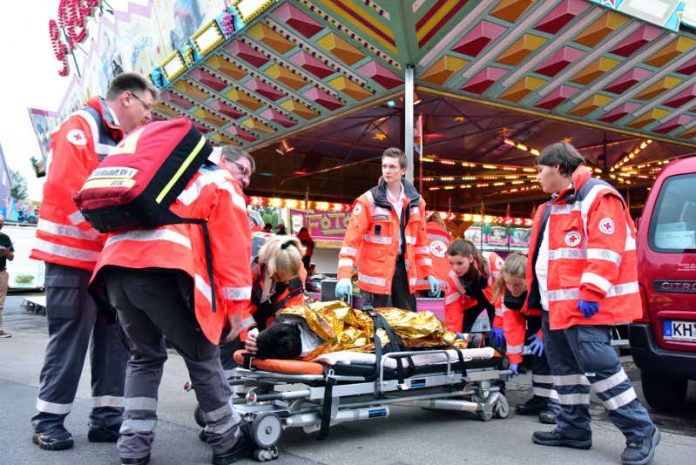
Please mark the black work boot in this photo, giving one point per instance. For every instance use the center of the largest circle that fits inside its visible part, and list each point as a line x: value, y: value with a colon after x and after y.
x: 243, y: 448
x: 641, y: 451
x: 57, y: 438
x: 108, y: 434
x: 556, y: 438
x: 533, y: 406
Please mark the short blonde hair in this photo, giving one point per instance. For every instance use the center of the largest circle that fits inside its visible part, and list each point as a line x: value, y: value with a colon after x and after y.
x: 515, y: 266
x: 282, y: 254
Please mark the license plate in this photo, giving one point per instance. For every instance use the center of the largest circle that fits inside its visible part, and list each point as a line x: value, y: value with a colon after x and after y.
x: 679, y: 330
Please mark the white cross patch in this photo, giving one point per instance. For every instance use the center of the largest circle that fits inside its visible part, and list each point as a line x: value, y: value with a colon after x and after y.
x: 606, y: 225
x: 76, y: 137
x: 573, y: 238
x: 438, y: 248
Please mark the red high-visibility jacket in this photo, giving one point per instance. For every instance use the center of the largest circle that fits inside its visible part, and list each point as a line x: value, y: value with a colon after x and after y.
x: 591, y: 256
x: 63, y: 236
x: 213, y: 195
x: 372, y: 241
x: 515, y: 326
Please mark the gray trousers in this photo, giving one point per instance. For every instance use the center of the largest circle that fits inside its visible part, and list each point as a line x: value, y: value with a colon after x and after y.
x: 400, y: 297
x: 72, y: 320
x: 582, y: 359
x: 152, y: 304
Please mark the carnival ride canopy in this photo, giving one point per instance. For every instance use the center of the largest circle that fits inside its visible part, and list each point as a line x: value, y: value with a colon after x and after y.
x: 315, y: 90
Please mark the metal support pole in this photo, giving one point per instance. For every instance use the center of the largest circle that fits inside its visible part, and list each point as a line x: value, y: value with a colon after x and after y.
x: 408, y: 122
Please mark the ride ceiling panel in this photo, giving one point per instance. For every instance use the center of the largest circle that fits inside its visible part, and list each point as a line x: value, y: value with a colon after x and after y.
x: 327, y: 68
x: 601, y: 59
x: 309, y: 60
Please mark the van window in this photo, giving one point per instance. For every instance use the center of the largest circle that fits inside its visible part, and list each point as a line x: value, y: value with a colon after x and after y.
x: 673, y: 224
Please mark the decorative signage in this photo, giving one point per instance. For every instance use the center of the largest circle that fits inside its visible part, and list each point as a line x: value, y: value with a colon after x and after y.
x: 70, y: 29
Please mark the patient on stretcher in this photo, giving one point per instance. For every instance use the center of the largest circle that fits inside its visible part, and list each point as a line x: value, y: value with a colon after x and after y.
x: 307, y: 331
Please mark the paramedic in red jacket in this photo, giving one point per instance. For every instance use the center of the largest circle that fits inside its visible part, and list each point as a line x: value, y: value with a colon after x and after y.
x: 438, y: 239
x: 70, y: 247
x: 385, y: 240
x: 468, y: 290
x: 278, y: 278
x: 583, y: 275
x: 159, y: 281
x: 524, y: 324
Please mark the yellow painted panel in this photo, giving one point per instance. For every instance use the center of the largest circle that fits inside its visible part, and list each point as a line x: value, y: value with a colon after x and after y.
x: 443, y: 69
x: 591, y: 104
x: 594, y: 70
x: 340, y: 48
x: 659, y: 87
x: 520, y: 49
x: 286, y: 76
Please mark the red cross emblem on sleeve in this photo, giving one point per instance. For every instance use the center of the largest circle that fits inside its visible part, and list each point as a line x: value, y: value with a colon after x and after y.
x: 606, y: 225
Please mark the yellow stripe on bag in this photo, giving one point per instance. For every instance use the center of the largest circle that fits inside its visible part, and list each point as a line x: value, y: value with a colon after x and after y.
x: 108, y: 182
x: 182, y: 168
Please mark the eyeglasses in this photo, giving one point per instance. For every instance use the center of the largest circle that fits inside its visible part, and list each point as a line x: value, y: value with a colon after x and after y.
x: 147, y: 106
x: 244, y: 169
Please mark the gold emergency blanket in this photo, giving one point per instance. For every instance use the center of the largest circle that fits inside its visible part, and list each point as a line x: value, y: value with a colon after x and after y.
x: 345, y: 328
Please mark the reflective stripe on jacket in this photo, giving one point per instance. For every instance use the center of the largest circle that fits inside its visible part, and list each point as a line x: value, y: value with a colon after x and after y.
x: 371, y: 242
x: 63, y: 236
x: 592, y: 255
x: 213, y: 195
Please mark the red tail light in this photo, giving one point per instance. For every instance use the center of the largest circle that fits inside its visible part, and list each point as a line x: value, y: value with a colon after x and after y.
x: 645, y: 318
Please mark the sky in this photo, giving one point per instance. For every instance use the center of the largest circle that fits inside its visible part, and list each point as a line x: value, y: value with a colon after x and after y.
x: 28, y: 79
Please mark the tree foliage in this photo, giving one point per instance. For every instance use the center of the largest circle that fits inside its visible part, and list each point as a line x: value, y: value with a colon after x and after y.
x: 19, y: 185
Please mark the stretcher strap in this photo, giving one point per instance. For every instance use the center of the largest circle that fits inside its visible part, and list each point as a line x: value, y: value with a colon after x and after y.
x: 330, y: 381
x: 248, y: 357
x: 459, y: 356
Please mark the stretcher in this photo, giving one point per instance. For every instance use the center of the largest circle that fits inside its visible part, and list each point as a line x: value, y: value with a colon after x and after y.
x: 349, y: 386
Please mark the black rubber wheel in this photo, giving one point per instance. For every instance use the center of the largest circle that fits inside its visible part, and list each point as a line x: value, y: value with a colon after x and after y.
x: 666, y: 393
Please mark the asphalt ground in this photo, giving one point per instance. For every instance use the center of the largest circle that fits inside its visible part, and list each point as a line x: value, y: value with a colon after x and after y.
x: 409, y: 436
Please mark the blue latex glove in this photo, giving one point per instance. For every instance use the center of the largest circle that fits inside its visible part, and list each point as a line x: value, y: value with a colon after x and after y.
x: 514, y: 369
x: 498, y: 335
x: 344, y: 288
x: 587, y: 308
x: 536, y: 345
x: 434, y: 286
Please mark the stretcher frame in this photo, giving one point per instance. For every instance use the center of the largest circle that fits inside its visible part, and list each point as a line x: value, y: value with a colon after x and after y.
x: 275, y: 401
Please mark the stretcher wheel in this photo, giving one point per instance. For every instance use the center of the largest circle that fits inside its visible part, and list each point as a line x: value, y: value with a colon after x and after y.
x: 266, y: 430
x: 484, y: 414
x: 266, y: 455
x: 501, y: 409
x: 198, y: 416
